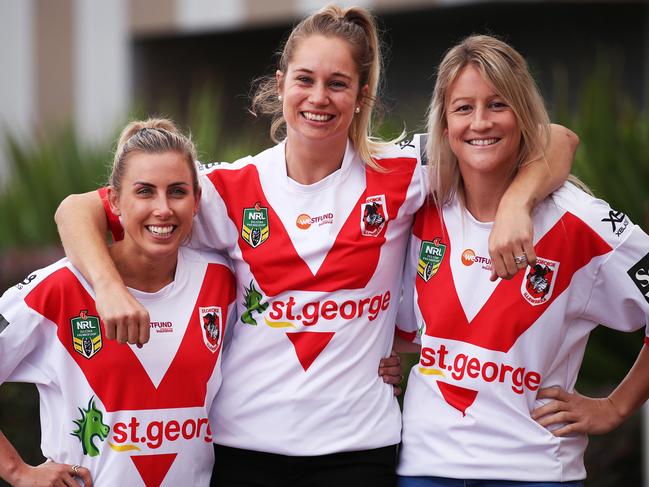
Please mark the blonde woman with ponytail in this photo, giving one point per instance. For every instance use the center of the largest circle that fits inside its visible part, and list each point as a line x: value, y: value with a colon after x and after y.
x: 317, y: 228
x: 114, y: 414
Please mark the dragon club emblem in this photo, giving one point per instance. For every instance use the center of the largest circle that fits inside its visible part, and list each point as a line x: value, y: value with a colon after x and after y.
x: 86, y: 334
x: 539, y: 281
x: 212, y: 326
x: 254, y: 229
x: 90, y: 426
x: 430, y: 258
x: 373, y: 215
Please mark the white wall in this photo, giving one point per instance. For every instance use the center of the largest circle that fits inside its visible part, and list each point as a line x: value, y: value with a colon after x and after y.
x: 17, y: 84
x: 102, y: 71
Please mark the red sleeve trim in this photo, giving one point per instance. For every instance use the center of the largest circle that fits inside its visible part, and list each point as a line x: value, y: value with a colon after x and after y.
x: 406, y: 335
x: 646, y: 341
x: 114, y: 225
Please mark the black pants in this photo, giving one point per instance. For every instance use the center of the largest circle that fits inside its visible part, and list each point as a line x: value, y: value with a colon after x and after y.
x: 234, y: 467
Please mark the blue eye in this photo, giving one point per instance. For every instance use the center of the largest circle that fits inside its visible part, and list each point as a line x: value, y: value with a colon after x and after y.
x: 498, y: 105
x: 177, y: 191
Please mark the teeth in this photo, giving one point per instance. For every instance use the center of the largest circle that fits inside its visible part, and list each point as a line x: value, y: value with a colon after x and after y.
x: 483, y: 141
x: 157, y: 230
x: 317, y: 117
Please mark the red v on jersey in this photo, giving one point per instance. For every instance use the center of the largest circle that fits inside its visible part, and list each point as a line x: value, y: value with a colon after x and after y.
x: 458, y: 397
x: 153, y: 468
x: 270, y: 261
x: 309, y: 344
x: 114, y: 373
x: 496, y: 327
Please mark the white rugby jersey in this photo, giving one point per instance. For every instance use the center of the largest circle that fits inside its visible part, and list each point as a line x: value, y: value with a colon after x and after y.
x: 487, y: 347
x: 133, y: 417
x: 318, y: 271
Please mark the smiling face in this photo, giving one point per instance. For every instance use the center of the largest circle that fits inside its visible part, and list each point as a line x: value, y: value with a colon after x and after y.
x: 481, y: 128
x: 156, y: 203
x: 320, y: 90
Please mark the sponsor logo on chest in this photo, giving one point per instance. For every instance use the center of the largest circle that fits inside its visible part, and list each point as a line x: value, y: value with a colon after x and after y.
x: 304, y: 221
x: 254, y: 229
x: 639, y: 274
x: 431, y: 254
x: 374, y: 215
x: 86, y: 334
x: 162, y: 326
x: 539, y: 280
x: 469, y: 258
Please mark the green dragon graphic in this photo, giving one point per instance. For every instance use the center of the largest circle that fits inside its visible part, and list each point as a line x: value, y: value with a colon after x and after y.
x: 253, y: 304
x: 90, y: 425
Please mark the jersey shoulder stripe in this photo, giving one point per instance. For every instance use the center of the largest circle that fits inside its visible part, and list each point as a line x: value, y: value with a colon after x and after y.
x: 612, y: 225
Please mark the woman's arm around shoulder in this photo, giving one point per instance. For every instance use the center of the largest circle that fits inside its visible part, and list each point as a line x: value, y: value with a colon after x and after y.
x: 512, y: 234
x: 82, y: 226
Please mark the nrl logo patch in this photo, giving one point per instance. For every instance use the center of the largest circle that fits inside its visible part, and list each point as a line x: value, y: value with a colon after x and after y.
x: 373, y: 215
x: 255, y: 230
x: 212, y: 326
x: 430, y: 258
x: 539, y: 281
x: 86, y: 334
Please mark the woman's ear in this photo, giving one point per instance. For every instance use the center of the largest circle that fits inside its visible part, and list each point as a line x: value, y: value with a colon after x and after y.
x: 113, y: 201
x: 279, y: 78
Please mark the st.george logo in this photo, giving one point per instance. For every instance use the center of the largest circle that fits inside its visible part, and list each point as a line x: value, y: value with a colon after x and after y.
x: 374, y: 214
x: 539, y: 281
x: 430, y: 258
x: 212, y: 326
x: 86, y: 334
x: 254, y: 229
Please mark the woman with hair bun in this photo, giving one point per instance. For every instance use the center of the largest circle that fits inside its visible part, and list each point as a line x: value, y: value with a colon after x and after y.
x: 317, y: 228
x: 487, y: 348
x: 116, y: 414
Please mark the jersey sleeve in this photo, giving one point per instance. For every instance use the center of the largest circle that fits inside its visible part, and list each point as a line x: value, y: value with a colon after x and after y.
x: 114, y: 225
x: 407, y: 322
x: 23, y: 344
x: 620, y: 294
x: 213, y: 229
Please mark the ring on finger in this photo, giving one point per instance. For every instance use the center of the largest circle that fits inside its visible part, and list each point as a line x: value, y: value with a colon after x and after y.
x: 75, y: 470
x: 520, y: 259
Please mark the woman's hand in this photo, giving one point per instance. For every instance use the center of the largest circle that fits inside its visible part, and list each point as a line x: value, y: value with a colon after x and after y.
x: 51, y: 474
x: 391, y: 372
x: 510, y: 240
x: 579, y: 414
x: 124, y: 318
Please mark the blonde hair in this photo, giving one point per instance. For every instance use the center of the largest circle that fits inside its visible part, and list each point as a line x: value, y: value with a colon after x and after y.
x: 151, y: 136
x: 357, y: 27
x: 507, y: 71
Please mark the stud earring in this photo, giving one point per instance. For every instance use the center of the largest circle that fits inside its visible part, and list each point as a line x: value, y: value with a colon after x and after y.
x: 358, y: 110
x: 279, y: 97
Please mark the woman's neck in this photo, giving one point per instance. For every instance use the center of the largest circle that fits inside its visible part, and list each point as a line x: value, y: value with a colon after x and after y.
x: 141, y: 272
x: 310, y: 162
x: 483, y: 192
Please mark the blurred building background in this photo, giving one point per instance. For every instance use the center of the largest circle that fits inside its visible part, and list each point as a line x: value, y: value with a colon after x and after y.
x: 74, y: 70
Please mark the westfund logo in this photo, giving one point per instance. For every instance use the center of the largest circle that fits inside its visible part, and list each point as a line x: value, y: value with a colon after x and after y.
x: 639, y: 274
